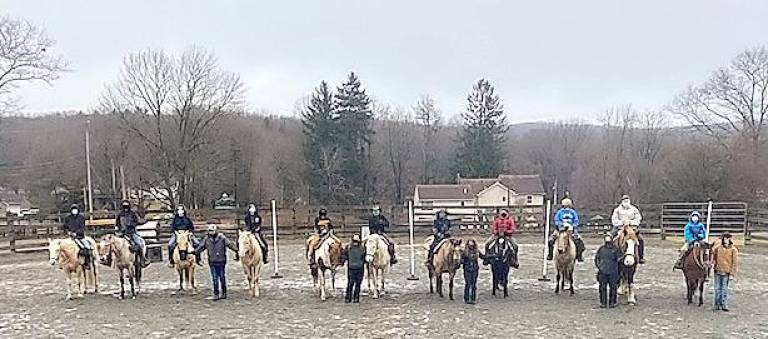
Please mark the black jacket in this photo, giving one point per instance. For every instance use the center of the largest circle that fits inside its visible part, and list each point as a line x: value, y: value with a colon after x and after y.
x: 607, y: 259
x: 469, y: 263
x: 217, y: 248
x: 126, y: 222
x: 355, y: 257
x: 441, y: 226
x: 75, y: 224
x: 377, y: 224
x: 182, y: 223
x: 253, y: 222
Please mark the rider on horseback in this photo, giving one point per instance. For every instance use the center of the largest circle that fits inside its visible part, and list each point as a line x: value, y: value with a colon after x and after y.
x: 323, y: 228
x: 626, y: 212
x: 440, y: 230
x: 377, y: 223
x: 74, y: 226
x: 253, y: 225
x: 181, y: 222
x: 695, y: 231
x: 125, y: 224
x: 566, y: 215
x: 503, y: 228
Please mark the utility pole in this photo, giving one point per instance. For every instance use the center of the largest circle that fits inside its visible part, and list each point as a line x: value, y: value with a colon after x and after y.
x: 114, y: 184
x: 88, y: 168
x: 122, y: 183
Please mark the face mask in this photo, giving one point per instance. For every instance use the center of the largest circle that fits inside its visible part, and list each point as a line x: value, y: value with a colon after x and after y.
x: 376, y: 212
x: 74, y: 211
x: 607, y: 239
x: 180, y: 212
x: 252, y: 210
x: 503, y: 215
x: 126, y: 207
x: 626, y: 203
x: 695, y: 218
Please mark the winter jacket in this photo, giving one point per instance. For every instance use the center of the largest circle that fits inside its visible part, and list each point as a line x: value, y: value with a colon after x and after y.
x: 377, y: 224
x: 504, y: 226
x: 469, y: 263
x: 253, y: 222
x: 567, y: 215
x: 182, y: 223
x: 622, y: 213
x: 695, y: 231
x: 441, y: 227
x: 726, y: 259
x: 217, y: 248
x: 355, y: 257
x: 126, y: 222
x: 75, y: 224
x: 607, y: 259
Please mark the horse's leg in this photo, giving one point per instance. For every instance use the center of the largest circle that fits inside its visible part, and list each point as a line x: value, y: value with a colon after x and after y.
x: 68, y: 278
x: 701, y: 292
x: 131, y: 279
x: 180, y: 272
x: 122, y: 283
x: 95, y: 269
x: 450, y: 284
x: 570, y: 279
x: 557, y: 282
x: 439, y: 283
x: 506, y: 281
x: 494, y: 280
x: 81, y: 279
x: 431, y: 281
x: 322, y: 284
x: 690, y: 287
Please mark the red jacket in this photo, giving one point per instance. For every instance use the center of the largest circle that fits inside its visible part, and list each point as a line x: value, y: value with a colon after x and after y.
x: 504, y: 226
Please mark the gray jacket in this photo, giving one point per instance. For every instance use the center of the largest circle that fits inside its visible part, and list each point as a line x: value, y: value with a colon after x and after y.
x: 217, y: 248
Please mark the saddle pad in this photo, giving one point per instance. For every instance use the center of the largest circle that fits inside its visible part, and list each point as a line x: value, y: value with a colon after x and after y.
x: 440, y: 244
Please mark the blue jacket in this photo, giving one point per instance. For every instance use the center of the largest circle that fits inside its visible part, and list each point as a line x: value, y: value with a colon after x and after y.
x: 567, y: 214
x: 695, y: 231
x: 182, y: 223
x: 441, y: 226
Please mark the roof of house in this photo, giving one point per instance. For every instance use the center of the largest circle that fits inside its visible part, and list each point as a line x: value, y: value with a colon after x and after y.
x: 445, y: 192
x: 523, y: 183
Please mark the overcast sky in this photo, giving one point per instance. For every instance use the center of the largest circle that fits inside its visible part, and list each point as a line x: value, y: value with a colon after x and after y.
x: 549, y: 60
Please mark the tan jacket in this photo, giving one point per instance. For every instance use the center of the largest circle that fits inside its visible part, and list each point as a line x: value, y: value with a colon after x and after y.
x: 726, y: 259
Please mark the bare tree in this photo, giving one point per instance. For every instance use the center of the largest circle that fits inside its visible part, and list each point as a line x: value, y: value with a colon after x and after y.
x: 428, y: 116
x: 172, y: 104
x: 25, y: 55
x: 397, y: 144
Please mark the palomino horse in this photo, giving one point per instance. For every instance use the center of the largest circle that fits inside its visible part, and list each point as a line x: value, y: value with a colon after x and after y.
x: 250, y: 254
x: 565, y: 259
x: 446, y: 259
x: 626, y: 241
x: 501, y: 255
x: 117, y: 252
x: 377, y: 262
x: 696, y: 269
x: 65, y: 252
x: 184, y: 260
x: 327, y: 259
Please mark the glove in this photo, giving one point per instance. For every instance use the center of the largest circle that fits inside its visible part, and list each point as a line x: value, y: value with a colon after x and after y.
x: 237, y: 257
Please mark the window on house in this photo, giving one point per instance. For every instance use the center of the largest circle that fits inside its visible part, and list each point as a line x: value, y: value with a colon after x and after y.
x: 503, y: 199
x: 462, y: 203
x: 529, y: 199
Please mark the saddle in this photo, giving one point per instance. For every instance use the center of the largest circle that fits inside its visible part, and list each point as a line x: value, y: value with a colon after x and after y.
x: 440, y: 244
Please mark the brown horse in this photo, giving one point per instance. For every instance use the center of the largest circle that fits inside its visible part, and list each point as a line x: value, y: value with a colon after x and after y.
x: 184, y: 260
x: 626, y: 240
x: 446, y: 259
x: 565, y: 259
x: 116, y: 251
x: 65, y: 252
x: 696, y: 269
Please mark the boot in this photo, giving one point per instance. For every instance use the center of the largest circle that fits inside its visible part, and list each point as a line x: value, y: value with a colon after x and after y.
x: 641, y: 250
x: 515, y: 262
x: 579, y: 249
x: 87, y: 258
x: 170, y: 260
x: 679, y: 262
x: 392, y: 258
x: 197, y: 260
x: 265, y: 257
x: 550, y: 248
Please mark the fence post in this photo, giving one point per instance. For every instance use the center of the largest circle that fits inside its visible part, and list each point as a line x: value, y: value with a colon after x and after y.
x: 410, y: 240
x: 274, y: 238
x: 546, y: 242
x: 12, y: 229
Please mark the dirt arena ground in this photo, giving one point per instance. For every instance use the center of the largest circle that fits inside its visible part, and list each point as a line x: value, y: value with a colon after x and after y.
x: 32, y: 298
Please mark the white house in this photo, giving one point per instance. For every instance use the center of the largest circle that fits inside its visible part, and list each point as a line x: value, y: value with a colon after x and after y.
x: 15, y: 202
x: 481, y: 196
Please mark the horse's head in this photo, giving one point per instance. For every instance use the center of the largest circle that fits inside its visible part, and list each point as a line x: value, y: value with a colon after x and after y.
x: 182, y: 240
x: 564, y: 239
x: 54, y: 248
x: 456, y: 250
x: 371, y: 247
x: 105, y: 245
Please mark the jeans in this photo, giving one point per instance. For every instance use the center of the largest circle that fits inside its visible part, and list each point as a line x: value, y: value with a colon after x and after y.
x: 219, y: 278
x: 139, y: 242
x: 608, y: 286
x: 470, y: 286
x: 354, y: 279
x: 721, y: 290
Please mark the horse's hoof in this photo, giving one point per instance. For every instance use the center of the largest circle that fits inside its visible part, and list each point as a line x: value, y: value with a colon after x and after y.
x: 133, y: 297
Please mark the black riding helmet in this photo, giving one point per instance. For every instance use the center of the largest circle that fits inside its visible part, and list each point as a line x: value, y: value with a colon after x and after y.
x: 126, y: 205
x: 322, y: 212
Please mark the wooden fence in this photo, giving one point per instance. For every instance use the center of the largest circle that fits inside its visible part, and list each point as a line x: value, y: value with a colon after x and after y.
x: 726, y: 217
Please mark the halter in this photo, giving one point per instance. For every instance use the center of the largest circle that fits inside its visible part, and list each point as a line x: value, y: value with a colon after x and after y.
x: 699, y: 259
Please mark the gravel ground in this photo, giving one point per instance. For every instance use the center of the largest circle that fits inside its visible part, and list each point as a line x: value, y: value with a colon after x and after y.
x: 32, y: 298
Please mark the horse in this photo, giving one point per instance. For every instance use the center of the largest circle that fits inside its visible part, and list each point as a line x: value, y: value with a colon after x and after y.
x: 116, y: 251
x: 696, y: 269
x: 250, y: 254
x: 501, y: 256
x: 377, y: 263
x: 626, y: 241
x: 65, y: 252
x: 184, y: 261
x: 565, y: 259
x: 327, y: 259
x: 446, y: 259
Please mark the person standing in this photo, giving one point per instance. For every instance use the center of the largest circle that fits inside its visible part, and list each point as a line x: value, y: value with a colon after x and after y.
x: 726, y: 265
x: 217, y: 244
x: 607, y: 263
x: 354, y: 255
x: 471, y: 268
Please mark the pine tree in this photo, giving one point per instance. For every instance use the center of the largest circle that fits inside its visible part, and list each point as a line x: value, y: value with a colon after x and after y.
x: 320, y: 146
x: 481, y: 141
x: 353, y: 118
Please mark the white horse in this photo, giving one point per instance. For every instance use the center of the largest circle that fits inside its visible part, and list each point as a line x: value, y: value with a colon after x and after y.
x: 377, y: 261
x: 65, y: 252
x: 250, y: 254
x: 327, y: 259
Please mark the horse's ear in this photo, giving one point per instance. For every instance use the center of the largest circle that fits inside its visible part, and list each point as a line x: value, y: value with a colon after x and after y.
x: 49, y: 241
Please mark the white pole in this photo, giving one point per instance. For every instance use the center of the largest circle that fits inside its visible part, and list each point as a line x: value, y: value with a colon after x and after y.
x: 274, y: 239
x: 410, y: 240
x: 546, y: 243
x: 88, y: 168
x: 709, y: 218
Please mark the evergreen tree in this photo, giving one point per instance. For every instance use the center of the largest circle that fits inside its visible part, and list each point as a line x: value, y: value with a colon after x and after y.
x: 481, y: 141
x: 320, y: 147
x: 353, y: 120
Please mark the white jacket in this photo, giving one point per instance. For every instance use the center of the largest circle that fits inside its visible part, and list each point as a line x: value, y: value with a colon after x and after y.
x: 622, y: 213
